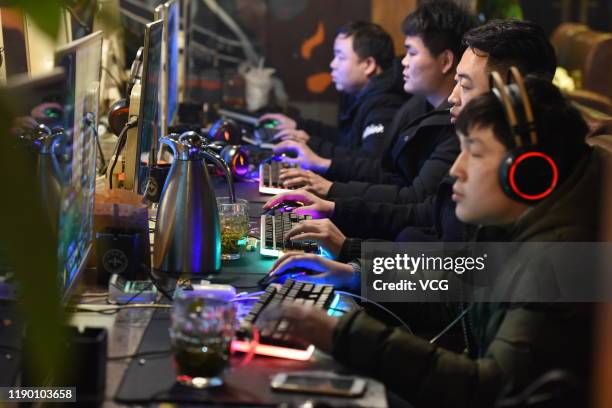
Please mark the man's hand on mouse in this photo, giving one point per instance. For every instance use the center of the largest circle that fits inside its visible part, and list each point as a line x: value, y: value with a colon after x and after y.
x: 307, y: 325
x: 314, y: 206
x: 284, y: 122
x: 292, y: 134
x: 324, y: 232
x: 305, y: 179
x: 303, y: 156
x: 317, y: 270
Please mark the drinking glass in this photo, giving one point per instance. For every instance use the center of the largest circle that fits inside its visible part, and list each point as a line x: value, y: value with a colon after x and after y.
x: 201, y: 335
x: 234, y: 219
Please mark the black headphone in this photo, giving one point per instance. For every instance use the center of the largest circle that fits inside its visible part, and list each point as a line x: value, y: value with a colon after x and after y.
x: 118, y: 116
x: 226, y: 130
x: 526, y: 174
x: 235, y: 156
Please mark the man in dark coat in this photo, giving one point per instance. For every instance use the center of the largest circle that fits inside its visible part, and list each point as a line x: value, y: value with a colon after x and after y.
x: 368, y: 76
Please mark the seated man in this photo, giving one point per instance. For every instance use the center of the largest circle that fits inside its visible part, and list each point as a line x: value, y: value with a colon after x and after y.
x: 510, y: 344
x: 420, y: 143
x: 365, y: 72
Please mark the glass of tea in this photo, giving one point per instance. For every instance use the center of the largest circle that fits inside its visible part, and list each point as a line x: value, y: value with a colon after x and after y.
x: 201, y: 335
x: 234, y: 220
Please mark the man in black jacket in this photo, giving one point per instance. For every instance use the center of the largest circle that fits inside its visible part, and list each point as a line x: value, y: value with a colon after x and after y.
x: 511, y: 344
x: 420, y: 144
x: 368, y: 76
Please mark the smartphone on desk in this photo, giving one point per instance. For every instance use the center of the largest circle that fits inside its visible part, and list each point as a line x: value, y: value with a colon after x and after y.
x: 313, y: 383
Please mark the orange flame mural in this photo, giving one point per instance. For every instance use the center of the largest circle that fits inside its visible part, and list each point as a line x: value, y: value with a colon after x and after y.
x: 313, y: 42
x: 315, y: 83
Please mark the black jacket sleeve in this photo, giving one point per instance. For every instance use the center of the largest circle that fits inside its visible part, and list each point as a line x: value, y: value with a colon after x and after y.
x: 359, y: 218
x: 391, y: 187
x: 351, y: 249
x: 319, y: 132
x: 351, y: 167
x: 529, y: 341
x: 412, y: 367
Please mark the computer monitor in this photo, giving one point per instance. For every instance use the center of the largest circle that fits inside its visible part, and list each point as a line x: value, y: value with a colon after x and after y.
x: 173, y: 17
x: 160, y: 14
x: 168, y: 93
x: 135, y: 15
x: 81, y: 61
x: 27, y: 49
x: 33, y: 101
x: 66, y: 175
x: 141, y: 143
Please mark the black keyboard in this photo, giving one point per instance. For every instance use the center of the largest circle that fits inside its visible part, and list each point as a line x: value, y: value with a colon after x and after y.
x: 273, y: 229
x: 292, y: 291
x: 269, y: 173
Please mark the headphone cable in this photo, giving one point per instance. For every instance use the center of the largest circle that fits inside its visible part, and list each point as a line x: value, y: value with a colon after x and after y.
x: 120, y: 145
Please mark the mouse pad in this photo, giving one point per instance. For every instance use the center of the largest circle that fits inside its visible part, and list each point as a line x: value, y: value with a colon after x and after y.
x: 151, y: 378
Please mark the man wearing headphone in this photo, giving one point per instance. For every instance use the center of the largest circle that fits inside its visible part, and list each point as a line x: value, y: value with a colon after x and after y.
x: 511, y: 198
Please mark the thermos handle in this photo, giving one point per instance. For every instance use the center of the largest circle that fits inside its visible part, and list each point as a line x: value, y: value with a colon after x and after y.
x: 56, y: 165
x: 48, y: 142
x: 172, y: 143
x: 220, y: 163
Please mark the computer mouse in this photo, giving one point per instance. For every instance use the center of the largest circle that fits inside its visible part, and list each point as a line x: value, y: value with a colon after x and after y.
x: 268, y: 123
x: 289, y: 154
x: 285, y: 206
x: 280, y: 279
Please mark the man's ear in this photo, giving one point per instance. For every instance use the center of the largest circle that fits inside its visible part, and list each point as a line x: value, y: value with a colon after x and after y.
x: 447, y: 60
x: 371, y: 67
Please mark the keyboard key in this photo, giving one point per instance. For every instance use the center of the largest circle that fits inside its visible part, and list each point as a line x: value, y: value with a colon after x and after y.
x: 292, y: 291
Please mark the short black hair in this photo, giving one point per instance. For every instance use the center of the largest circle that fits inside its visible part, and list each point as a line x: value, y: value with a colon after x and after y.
x: 560, y: 128
x: 441, y: 25
x: 518, y: 43
x: 370, y: 40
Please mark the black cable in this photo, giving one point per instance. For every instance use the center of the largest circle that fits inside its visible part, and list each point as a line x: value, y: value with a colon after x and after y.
x: 140, y: 292
x: 137, y: 355
x: 450, y: 325
x: 246, y: 287
x: 132, y: 122
x: 92, y: 126
x: 115, y: 80
x: 115, y: 309
x: 364, y: 299
x: 158, y: 286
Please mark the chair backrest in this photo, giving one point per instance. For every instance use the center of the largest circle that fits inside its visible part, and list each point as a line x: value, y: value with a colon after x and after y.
x: 603, y: 141
x: 561, y: 40
x: 586, y: 52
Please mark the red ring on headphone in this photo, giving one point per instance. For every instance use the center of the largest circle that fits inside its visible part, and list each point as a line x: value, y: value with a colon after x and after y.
x: 553, y: 184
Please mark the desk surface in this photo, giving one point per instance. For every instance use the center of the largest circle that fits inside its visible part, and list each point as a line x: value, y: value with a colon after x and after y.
x: 127, y: 329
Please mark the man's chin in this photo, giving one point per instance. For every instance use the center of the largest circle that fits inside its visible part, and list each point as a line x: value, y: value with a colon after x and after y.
x: 464, y: 216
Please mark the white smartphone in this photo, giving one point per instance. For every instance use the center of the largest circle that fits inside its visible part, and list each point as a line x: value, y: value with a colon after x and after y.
x: 319, y: 384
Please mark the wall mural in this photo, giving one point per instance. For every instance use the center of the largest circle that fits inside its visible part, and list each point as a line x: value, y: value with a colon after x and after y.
x: 293, y: 37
